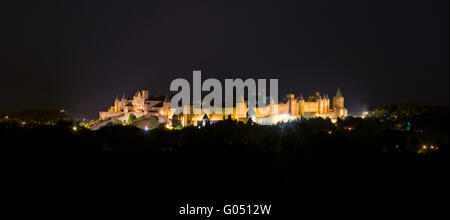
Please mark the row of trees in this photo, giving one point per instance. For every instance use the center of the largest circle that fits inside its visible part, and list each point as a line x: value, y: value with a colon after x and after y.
x: 351, y: 136
x: 406, y: 133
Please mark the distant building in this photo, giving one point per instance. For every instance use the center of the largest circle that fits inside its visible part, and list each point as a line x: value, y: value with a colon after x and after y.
x: 141, y: 105
x: 292, y: 108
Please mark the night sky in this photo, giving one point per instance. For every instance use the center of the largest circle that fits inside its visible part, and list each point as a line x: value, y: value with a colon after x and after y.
x: 81, y: 54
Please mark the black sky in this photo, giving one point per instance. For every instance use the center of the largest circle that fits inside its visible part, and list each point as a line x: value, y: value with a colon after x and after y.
x: 81, y: 54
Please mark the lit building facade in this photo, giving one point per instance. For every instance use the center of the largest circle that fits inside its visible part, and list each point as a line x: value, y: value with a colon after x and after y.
x: 290, y: 108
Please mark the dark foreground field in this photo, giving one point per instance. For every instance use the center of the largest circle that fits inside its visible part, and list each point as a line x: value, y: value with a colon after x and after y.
x: 151, y: 184
x: 304, y: 168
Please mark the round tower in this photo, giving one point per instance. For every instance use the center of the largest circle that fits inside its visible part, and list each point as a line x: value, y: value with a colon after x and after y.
x: 324, y: 104
x: 301, y: 105
x: 116, y: 104
x: 273, y: 107
x: 123, y: 102
x: 240, y: 107
x: 319, y: 103
x: 338, y: 101
x: 327, y: 103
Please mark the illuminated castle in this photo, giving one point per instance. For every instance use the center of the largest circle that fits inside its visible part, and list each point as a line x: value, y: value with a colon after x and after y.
x: 141, y: 105
x: 291, y: 108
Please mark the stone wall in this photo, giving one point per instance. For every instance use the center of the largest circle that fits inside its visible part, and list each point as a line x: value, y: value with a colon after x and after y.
x: 106, y: 115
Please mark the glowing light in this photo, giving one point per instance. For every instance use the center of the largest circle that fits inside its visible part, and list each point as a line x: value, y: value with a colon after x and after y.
x: 334, y: 120
x: 329, y: 132
x: 146, y: 128
x: 424, y: 147
x: 74, y: 128
x: 364, y: 114
x: 432, y: 147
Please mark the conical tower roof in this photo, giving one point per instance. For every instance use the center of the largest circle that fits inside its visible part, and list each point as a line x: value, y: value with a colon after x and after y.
x: 166, y: 98
x: 138, y: 93
x: 272, y: 101
x: 241, y: 99
x: 338, y: 93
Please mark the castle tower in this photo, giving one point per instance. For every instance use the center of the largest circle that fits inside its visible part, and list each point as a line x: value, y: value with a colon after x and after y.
x: 145, y: 94
x: 240, y: 108
x: 137, y: 94
x: 338, y: 104
x: 301, y: 105
x: 166, y: 102
x: 320, y: 103
x: 324, y: 103
x: 123, y: 102
x: 292, y: 104
x: 273, y: 107
x: 139, y: 101
x: 327, y: 103
x: 338, y: 100
x: 116, y: 104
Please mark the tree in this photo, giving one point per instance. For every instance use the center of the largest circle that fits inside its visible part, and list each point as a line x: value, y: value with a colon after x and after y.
x: 131, y: 118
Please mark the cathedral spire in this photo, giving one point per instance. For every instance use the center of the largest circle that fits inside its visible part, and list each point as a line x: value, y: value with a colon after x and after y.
x: 301, y: 97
